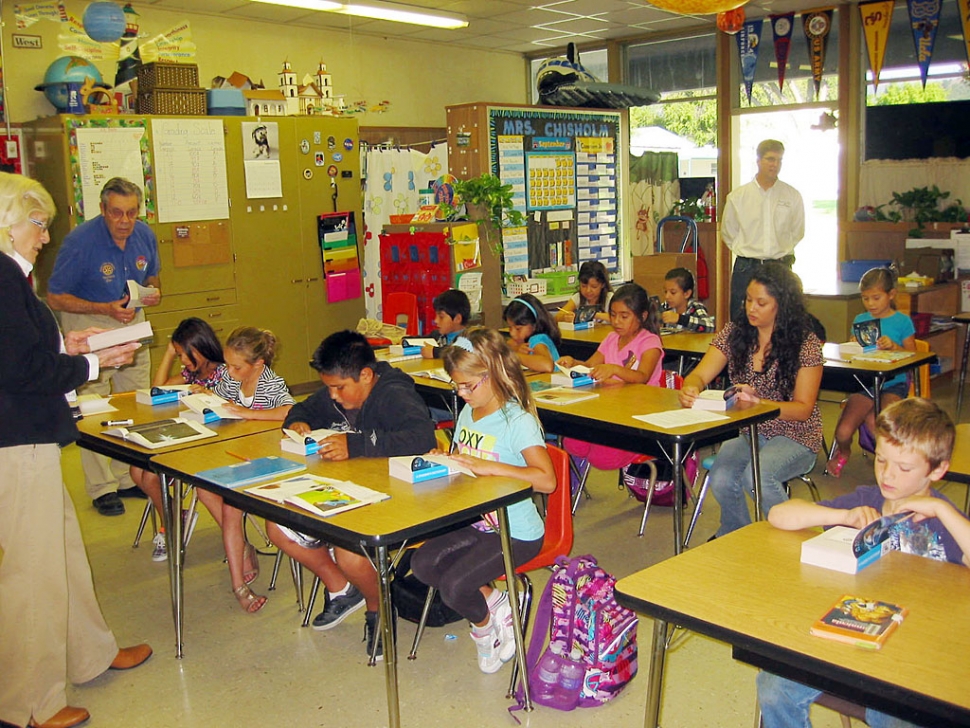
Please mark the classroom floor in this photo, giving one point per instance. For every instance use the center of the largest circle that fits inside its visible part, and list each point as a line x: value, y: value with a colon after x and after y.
x: 241, y: 669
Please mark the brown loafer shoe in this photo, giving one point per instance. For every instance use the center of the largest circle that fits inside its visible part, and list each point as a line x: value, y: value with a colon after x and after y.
x: 129, y: 657
x: 66, y: 717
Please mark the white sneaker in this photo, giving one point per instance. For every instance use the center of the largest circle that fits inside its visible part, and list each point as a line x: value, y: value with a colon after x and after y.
x: 502, y: 620
x: 188, y: 526
x: 160, y: 552
x: 488, y: 650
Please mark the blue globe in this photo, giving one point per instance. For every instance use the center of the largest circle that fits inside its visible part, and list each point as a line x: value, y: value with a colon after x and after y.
x: 104, y: 22
x: 65, y: 70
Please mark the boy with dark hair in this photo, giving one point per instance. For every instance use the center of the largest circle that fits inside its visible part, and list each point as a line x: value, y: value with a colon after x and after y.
x: 680, y: 310
x: 452, y: 309
x: 378, y: 414
x: 914, y: 440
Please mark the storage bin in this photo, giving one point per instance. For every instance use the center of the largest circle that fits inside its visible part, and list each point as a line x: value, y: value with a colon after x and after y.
x: 921, y: 322
x: 177, y: 102
x: 851, y: 271
x: 560, y: 281
x: 157, y: 75
x: 535, y: 286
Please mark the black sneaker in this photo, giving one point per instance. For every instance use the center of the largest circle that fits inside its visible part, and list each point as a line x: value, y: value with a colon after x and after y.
x: 370, y: 629
x: 337, y: 609
x: 109, y: 505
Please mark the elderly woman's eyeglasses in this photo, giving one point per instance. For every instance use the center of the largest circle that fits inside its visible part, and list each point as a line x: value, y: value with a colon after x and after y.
x: 42, y: 224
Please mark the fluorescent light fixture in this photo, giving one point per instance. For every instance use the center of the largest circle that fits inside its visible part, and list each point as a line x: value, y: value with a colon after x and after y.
x: 404, y: 14
x: 305, y: 4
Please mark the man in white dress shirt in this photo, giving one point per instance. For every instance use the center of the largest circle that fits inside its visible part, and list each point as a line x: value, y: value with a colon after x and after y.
x: 762, y: 220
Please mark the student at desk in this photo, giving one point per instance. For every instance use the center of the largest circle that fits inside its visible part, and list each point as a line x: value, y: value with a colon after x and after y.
x: 378, y: 414
x: 452, y: 309
x: 914, y: 441
x: 592, y: 301
x: 533, y: 334
x: 772, y: 355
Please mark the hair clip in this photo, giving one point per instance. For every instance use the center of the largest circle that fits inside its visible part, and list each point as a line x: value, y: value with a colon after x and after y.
x: 462, y: 342
x: 528, y: 306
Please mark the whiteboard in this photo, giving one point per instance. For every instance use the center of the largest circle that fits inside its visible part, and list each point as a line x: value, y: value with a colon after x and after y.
x: 190, y: 169
x: 106, y: 153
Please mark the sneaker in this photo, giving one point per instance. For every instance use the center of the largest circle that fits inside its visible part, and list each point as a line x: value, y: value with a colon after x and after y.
x: 189, y: 519
x: 160, y: 552
x: 371, y: 632
x: 489, y: 646
x: 338, y: 609
x: 502, y: 619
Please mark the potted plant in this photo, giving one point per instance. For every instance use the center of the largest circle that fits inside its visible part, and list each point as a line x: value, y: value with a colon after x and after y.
x: 921, y: 205
x: 486, y: 200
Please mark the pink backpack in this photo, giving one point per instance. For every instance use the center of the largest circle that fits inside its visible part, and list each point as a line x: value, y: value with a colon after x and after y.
x: 582, y: 619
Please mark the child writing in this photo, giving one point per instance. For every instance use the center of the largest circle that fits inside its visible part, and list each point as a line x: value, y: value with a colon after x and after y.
x: 255, y: 392
x: 878, y: 289
x: 452, y: 309
x: 680, y: 310
x: 533, y: 333
x: 197, y: 347
x: 631, y: 353
x: 498, y: 433
x: 592, y: 301
x: 914, y: 441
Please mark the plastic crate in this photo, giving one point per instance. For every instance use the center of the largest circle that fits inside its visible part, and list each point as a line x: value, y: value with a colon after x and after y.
x: 158, y: 75
x: 177, y: 102
x: 560, y: 281
x: 535, y: 286
x: 851, y: 271
x: 922, y: 322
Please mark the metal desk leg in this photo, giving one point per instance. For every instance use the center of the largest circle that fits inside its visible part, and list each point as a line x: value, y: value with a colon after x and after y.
x: 172, y: 518
x: 676, y: 458
x: 877, y: 381
x: 387, y: 629
x: 756, y: 472
x: 651, y: 717
x: 963, y: 370
x: 512, y: 583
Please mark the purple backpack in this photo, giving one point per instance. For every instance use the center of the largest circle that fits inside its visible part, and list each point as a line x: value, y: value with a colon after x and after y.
x: 581, y: 618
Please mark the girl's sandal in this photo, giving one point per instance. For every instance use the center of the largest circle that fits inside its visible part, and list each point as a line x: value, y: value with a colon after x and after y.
x: 249, y: 601
x: 252, y: 557
x: 835, y: 465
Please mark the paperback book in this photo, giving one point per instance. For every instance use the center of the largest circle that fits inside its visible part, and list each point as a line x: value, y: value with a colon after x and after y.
x: 417, y: 469
x: 861, y: 622
x: 162, y: 433
x: 318, y: 495
x: 576, y: 325
x: 204, y: 407
x: 716, y: 400
x: 880, y: 355
x: 162, y: 395
x: 304, y: 445
x: 850, y: 550
x: 136, y: 292
x: 410, y: 341
x: 248, y: 472
x: 563, y: 396
x: 577, y: 375
x: 438, y: 374
x: 123, y: 335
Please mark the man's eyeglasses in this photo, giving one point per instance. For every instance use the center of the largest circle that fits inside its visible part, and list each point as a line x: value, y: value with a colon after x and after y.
x: 469, y: 388
x: 42, y: 224
x: 117, y: 215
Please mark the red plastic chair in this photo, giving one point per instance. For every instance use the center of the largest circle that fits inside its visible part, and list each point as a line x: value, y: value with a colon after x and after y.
x: 557, y: 541
x: 402, y: 304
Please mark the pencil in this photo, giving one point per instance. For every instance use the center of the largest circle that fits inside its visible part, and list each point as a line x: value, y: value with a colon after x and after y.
x: 240, y: 457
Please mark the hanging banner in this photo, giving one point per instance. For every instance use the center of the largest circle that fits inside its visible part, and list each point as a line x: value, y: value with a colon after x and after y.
x: 781, y: 28
x: 876, y: 18
x: 924, y: 19
x: 817, y: 25
x: 964, y: 6
x: 749, y: 40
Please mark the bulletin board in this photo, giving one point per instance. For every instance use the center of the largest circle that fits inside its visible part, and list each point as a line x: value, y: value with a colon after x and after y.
x: 566, y: 180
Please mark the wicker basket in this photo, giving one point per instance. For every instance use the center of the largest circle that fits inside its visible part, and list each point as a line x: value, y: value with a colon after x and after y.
x: 167, y: 75
x: 175, y: 101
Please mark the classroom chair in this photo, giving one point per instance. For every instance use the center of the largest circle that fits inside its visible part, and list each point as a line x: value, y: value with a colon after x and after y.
x: 557, y: 541
x: 846, y: 710
x: 188, y: 513
x: 402, y: 304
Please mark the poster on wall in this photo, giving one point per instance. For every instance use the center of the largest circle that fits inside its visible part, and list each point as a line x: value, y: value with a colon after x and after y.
x: 261, y: 159
x: 106, y: 153
x: 190, y: 169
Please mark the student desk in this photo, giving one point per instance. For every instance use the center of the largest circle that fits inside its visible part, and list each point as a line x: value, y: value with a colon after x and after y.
x: 749, y: 589
x: 837, y: 371
x: 683, y: 344
x: 413, y: 512
x: 959, y: 471
x: 608, y: 420
x: 93, y: 439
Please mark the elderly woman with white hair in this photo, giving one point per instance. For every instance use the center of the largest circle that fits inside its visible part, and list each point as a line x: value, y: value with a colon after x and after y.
x: 51, y: 627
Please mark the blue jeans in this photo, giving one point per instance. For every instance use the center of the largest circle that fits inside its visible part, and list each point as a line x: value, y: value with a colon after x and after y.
x: 731, y: 482
x: 785, y: 704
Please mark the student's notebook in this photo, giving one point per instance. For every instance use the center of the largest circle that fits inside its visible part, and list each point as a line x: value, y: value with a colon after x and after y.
x: 251, y: 471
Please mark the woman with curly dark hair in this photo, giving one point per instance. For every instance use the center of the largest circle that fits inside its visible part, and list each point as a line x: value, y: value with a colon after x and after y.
x: 774, y: 357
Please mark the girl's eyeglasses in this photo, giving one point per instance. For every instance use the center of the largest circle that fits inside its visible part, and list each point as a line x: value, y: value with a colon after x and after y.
x: 469, y: 388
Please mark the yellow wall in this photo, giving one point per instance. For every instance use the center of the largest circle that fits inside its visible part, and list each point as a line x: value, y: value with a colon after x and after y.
x: 418, y: 78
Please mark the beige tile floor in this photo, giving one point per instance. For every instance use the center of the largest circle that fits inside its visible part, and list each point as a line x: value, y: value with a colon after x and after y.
x: 264, y: 669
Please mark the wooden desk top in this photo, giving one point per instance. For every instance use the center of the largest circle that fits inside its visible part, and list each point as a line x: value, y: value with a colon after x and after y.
x: 683, y: 342
x: 833, y: 361
x: 413, y: 510
x: 749, y: 589
x: 92, y: 438
x: 959, y: 471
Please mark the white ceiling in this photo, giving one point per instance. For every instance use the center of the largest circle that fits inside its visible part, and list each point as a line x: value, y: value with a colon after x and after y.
x: 517, y: 26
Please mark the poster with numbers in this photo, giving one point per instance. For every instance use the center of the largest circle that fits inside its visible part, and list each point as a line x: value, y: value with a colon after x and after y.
x: 190, y: 169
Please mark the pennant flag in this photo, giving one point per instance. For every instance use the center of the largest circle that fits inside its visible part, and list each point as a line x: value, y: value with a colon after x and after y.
x: 781, y: 28
x: 817, y: 25
x: 876, y: 18
x: 965, y: 19
x: 749, y: 40
x: 924, y: 19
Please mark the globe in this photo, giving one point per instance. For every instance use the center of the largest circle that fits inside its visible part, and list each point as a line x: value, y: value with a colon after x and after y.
x: 65, y: 70
x: 104, y: 22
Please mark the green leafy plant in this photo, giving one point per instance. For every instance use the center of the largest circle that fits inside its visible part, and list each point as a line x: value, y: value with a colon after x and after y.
x: 486, y: 198
x: 691, y: 207
x: 921, y: 205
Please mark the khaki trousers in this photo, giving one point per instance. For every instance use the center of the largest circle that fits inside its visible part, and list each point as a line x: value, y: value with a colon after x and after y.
x: 102, y: 474
x: 51, y: 627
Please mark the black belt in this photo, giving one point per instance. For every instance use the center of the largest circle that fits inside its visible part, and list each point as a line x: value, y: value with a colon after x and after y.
x: 784, y: 260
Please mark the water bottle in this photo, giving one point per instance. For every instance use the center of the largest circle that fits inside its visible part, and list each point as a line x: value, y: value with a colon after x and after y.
x: 571, y: 681
x: 547, y: 676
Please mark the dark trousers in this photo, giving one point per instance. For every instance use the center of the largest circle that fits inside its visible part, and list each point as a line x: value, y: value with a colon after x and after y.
x: 744, y: 268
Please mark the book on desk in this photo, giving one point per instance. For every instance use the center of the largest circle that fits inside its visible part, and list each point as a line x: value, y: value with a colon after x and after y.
x: 716, y: 400
x: 161, y: 433
x: 419, y: 468
x: 305, y: 445
x: 860, y: 622
x: 850, y: 550
x: 248, y: 472
x: 318, y: 495
x: 162, y: 395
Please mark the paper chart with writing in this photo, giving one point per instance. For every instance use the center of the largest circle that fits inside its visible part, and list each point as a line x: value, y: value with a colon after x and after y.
x: 104, y: 153
x: 190, y: 169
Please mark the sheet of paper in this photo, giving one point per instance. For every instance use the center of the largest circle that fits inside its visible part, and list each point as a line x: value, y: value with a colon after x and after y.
x: 680, y: 418
x: 190, y: 169
x: 106, y: 153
